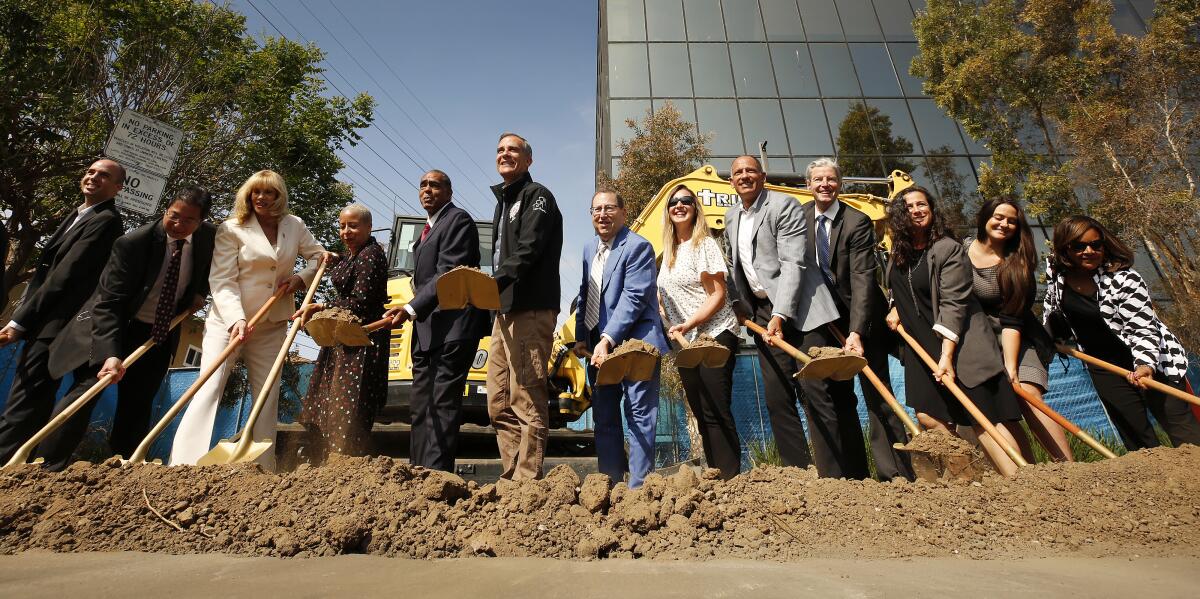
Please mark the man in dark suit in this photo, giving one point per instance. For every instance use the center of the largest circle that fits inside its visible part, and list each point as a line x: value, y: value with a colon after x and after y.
x: 155, y: 272
x: 65, y: 277
x: 841, y: 252
x: 444, y: 341
x: 618, y: 301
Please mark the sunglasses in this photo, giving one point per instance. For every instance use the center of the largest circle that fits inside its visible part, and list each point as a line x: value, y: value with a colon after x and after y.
x: 1079, y: 246
x: 685, y: 200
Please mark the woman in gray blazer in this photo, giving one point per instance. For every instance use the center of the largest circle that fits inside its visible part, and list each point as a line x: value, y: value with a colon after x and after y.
x: 929, y: 282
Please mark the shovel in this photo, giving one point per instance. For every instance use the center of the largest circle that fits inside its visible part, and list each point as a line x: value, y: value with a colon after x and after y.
x: 708, y: 356
x: 950, y: 384
x: 630, y: 365
x: 462, y: 286
x: 901, y: 413
x: 1151, y: 383
x: 1062, y: 421
x: 246, y: 449
x: 328, y: 332
x: 836, y: 368
x: 25, y: 450
x: 139, y: 454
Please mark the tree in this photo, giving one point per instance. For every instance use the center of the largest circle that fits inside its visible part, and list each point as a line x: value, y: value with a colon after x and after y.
x: 857, y: 153
x: 69, y: 68
x: 948, y: 183
x: 663, y: 147
x: 1077, y: 115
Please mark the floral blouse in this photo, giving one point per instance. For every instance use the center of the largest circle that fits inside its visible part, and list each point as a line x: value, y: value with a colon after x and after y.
x: 683, y: 293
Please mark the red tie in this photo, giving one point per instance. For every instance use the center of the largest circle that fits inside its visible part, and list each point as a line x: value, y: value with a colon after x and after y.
x: 425, y: 231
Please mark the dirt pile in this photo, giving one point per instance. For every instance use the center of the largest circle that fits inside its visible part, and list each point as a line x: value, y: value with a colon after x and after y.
x: 824, y: 351
x: 704, y: 341
x: 1144, y: 503
x: 337, y: 314
x: 939, y: 454
x: 631, y: 346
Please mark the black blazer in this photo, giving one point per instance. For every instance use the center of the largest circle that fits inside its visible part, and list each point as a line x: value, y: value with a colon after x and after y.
x: 852, y: 260
x: 453, y: 241
x: 98, y: 331
x: 67, y: 271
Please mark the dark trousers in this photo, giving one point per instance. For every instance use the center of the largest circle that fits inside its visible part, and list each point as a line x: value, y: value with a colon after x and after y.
x: 439, y: 378
x: 779, y: 370
x: 709, y: 393
x: 885, y: 428
x: 1127, y: 407
x: 135, y: 399
x: 30, y: 400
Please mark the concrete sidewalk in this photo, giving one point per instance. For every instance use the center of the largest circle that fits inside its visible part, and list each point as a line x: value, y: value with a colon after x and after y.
x: 214, y: 575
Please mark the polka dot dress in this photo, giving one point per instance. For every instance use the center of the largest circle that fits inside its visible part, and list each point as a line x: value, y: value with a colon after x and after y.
x: 349, y: 384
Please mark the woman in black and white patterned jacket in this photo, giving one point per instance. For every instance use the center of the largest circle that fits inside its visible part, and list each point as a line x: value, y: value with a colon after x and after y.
x: 1094, y: 295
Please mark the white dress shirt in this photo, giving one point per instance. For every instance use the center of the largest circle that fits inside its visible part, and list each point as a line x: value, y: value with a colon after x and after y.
x: 829, y: 214
x: 747, y: 222
x: 147, y: 311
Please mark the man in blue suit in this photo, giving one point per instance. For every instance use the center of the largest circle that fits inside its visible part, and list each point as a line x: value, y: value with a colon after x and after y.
x: 618, y: 300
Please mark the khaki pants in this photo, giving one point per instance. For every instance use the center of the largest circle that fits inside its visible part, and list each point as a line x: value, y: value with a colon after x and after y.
x: 518, y: 396
x: 193, y: 438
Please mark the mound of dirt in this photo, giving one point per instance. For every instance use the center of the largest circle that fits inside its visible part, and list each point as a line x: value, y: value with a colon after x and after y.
x: 338, y: 314
x: 633, y: 345
x: 822, y: 351
x: 704, y: 341
x: 1143, y: 503
x: 948, y: 456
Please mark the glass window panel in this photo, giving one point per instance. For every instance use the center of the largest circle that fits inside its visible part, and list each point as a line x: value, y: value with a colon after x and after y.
x: 793, y: 71
x: 875, y: 71
x: 820, y: 21
x: 935, y: 128
x: 616, y: 168
x: 952, y: 178
x: 782, y: 20
x: 779, y: 164
x: 902, y: 57
x: 973, y: 147
x: 851, y: 132
x: 618, y: 112
x: 704, y: 20
x: 900, y: 128
x: 670, y: 74
x: 626, y: 21
x: 762, y: 121
x: 742, y: 21
x: 628, y: 73
x: 896, y: 17
x: 685, y: 106
x: 710, y: 70
x: 1145, y: 9
x: 858, y: 21
x: 1125, y: 20
x: 916, y: 4
x: 720, y: 118
x: 806, y: 127
x: 752, y: 70
x: 835, y: 72
x: 664, y: 21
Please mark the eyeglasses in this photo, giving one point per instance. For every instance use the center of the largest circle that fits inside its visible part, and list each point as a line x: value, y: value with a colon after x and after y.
x: 685, y: 200
x: 1079, y: 246
x: 605, y: 209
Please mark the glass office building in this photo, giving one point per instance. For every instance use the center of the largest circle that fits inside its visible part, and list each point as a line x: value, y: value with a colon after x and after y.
x: 810, y: 77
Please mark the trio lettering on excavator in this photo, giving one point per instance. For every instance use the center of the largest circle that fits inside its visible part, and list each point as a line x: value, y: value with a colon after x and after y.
x: 710, y: 198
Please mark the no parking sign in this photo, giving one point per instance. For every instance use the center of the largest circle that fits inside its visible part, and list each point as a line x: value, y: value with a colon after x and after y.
x: 147, y: 149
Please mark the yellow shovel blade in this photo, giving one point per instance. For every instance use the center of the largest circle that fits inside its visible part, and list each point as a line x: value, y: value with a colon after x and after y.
x: 226, y: 452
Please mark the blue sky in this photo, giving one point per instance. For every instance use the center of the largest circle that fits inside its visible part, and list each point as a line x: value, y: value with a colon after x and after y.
x: 475, y: 68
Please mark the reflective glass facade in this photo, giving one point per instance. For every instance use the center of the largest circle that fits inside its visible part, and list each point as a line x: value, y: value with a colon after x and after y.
x: 810, y: 77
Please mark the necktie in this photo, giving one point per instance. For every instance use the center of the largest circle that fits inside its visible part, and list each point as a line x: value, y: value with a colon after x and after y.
x: 591, y: 317
x: 425, y: 231
x: 823, y: 248
x: 166, y: 297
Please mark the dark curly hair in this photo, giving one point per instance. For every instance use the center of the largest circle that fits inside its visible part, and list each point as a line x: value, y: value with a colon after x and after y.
x: 901, y: 228
x: 1018, y: 263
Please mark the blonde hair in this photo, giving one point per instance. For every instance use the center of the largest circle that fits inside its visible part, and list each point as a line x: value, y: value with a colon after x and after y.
x: 265, y: 179
x: 700, y: 230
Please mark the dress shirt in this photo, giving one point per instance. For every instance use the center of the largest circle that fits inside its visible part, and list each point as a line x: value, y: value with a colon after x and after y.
x: 830, y: 214
x: 747, y: 221
x: 429, y: 221
x: 146, y: 312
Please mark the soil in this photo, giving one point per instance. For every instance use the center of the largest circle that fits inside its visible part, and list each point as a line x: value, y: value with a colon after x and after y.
x: 828, y: 352
x: 949, y: 457
x: 1142, y: 503
x: 338, y: 314
x: 704, y: 341
x: 634, y: 345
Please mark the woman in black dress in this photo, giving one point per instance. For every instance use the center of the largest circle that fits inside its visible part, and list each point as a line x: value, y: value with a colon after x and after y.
x: 1094, y: 295
x: 349, y: 384
x: 929, y: 279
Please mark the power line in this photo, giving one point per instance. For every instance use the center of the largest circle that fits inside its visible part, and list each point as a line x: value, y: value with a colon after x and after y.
x: 389, y: 96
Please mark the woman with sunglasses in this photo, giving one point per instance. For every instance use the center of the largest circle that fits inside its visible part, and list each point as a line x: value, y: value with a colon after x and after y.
x: 1094, y: 295
x: 693, y: 299
x: 929, y: 280
x: 1003, y: 264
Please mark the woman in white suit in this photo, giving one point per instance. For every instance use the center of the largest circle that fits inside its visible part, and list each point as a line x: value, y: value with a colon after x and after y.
x: 255, y: 253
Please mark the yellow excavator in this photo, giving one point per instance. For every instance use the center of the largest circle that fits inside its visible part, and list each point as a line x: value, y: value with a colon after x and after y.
x: 570, y: 395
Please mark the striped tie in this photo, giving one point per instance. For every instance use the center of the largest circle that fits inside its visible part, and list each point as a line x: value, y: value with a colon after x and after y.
x: 823, y: 248
x: 591, y: 317
x: 166, y: 297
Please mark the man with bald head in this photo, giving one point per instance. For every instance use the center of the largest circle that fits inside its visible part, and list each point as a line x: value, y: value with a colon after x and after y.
x: 66, y: 274
x: 766, y: 233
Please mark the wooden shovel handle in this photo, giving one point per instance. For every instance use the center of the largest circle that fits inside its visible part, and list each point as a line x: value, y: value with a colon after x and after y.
x: 378, y: 324
x: 1151, y: 383
x: 778, y: 342
x: 23, y: 453
x: 1062, y: 421
x: 950, y: 384
x: 139, y: 454
x: 901, y: 413
x: 683, y: 342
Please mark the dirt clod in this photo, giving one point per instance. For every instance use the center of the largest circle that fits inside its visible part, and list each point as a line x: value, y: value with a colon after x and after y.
x: 827, y: 352
x: 338, y: 314
x: 633, y: 345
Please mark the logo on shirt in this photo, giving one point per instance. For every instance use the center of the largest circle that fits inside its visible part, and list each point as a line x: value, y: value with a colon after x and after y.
x: 539, y: 205
x: 512, y: 212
